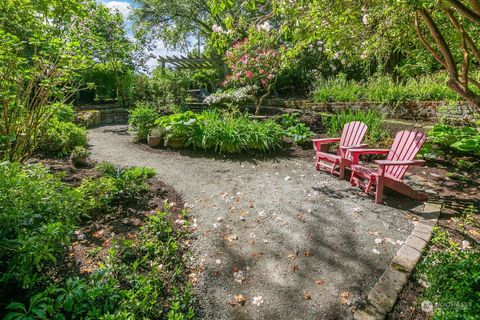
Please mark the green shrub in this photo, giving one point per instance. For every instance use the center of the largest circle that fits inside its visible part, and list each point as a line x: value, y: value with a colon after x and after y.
x: 37, y: 216
x: 60, y: 138
x: 125, y: 184
x: 294, y: 129
x: 464, y: 140
x: 372, y: 118
x: 178, y: 125
x: 142, y: 119
x: 453, y: 275
x: 235, y: 132
x: 138, y: 281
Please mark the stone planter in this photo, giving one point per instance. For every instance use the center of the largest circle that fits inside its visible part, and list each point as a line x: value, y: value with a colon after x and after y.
x: 154, y: 141
x: 176, y: 143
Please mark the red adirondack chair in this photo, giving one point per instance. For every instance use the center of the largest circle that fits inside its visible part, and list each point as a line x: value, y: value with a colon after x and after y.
x: 389, y: 172
x: 352, y: 137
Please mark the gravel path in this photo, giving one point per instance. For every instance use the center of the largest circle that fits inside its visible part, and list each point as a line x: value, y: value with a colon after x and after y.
x: 294, y: 242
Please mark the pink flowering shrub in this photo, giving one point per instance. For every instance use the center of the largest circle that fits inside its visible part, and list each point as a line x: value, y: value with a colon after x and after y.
x: 253, y: 64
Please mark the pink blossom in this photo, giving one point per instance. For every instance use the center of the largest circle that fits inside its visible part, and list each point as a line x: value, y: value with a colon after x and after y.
x: 263, y: 82
x: 262, y: 71
x: 270, y: 76
x: 249, y: 74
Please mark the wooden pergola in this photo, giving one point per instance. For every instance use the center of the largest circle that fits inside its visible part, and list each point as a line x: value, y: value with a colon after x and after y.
x: 183, y: 62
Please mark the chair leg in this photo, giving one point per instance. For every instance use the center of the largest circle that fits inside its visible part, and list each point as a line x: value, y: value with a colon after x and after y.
x: 369, y: 186
x: 342, y: 170
x: 379, y: 191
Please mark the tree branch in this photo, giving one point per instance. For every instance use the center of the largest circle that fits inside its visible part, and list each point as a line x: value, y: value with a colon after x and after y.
x: 457, y: 24
x: 427, y: 45
x: 465, y: 11
x: 440, y: 41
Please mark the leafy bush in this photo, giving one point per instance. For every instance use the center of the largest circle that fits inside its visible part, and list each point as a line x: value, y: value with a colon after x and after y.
x: 235, y: 132
x: 60, y: 138
x: 138, y: 281
x: 457, y: 139
x: 294, y: 129
x: 37, y: 214
x: 372, y: 118
x: 128, y: 184
x: 178, y: 125
x: 142, y: 119
x: 383, y: 89
x: 454, y: 278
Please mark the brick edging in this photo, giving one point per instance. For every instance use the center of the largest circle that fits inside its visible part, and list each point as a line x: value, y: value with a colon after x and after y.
x: 384, y: 294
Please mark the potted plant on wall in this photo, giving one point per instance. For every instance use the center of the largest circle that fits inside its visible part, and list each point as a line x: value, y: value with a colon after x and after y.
x: 80, y: 156
x: 155, y: 137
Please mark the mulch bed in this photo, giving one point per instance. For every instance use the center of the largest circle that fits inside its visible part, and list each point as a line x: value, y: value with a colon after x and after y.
x: 93, y: 238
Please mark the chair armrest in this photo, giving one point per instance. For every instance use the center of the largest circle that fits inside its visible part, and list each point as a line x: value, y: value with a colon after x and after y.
x: 356, y: 153
x: 344, y: 149
x: 400, y: 163
x: 358, y: 146
x: 318, y: 142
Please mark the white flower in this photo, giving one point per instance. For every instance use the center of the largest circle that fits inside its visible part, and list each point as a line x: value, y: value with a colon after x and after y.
x: 257, y: 300
x: 365, y: 19
x: 217, y: 29
x: 376, y: 251
x: 265, y: 26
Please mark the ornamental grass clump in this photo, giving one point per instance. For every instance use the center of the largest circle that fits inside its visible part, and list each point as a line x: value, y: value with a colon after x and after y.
x: 235, y: 132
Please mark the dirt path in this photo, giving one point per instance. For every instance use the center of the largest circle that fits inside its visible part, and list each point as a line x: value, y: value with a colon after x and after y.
x: 294, y: 242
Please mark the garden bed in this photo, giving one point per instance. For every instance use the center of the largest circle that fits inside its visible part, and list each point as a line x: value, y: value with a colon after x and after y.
x: 109, y: 255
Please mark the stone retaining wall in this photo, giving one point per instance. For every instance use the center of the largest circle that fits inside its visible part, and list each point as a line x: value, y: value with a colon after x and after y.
x: 457, y: 112
x: 92, y: 118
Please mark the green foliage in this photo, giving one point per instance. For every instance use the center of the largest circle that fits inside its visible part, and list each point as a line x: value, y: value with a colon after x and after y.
x: 462, y: 140
x: 453, y: 276
x: 137, y: 282
x: 80, y: 152
x: 37, y: 214
x: 372, y: 118
x: 294, y: 129
x: 142, y: 119
x: 384, y: 90
x: 127, y: 184
x: 60, y: 138
x: 178, y: 125
x: 235, y: 132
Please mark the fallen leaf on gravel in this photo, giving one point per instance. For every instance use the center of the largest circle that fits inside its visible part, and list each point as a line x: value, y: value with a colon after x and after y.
x: 239, y: 299
x: 250, y: 205
x: 239, y: 277
x: 286, y: 178
x: 265, y: 241
x: 379, y: 240
x: 235, y: 269
x: 219, y: 219
x: 307, y: 253
x: 375, y: 251
x: 261, y: 213
x: 345, y: 297
x: 256, y: 254
x: 320, y: 282
x: 294, y: 268
x: 218, y: 261
x: 307, y: 296
x: 257, y: 300
x: 232, y: 237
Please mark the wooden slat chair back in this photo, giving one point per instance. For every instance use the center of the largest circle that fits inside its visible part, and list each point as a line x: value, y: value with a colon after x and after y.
x: 405, y: 147
x: 389, y: 172
x: 353, y: 134
x: 352, y: 137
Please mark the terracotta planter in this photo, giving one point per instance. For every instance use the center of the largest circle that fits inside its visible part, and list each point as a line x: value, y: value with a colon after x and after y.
x: 154, y: 141
x: 177, y: 143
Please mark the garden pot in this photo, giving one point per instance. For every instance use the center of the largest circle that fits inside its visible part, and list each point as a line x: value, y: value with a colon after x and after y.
x: 154, y: 141
x: 176, y: 143
x: 79, y: 162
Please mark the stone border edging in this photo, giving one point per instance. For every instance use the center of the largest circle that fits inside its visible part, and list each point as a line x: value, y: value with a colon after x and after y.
x: 384, y: 294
